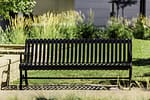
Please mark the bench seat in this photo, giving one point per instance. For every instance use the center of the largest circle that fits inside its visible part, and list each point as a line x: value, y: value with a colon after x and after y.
x: 69, y: 66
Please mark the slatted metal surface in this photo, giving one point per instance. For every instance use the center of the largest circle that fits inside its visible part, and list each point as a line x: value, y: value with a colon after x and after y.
x: 76, y: 54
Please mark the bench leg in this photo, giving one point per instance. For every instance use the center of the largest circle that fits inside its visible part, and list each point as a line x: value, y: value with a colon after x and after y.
x: 26, y: 80
x: 130, y: 78
x: 20, y: 85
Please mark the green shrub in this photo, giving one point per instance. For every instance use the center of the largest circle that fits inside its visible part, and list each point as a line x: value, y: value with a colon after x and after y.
x: 141, y: 28
x: 88, y: 30
x: 118, y: 28
x: 147, y: 33
x: 16, y: 6
x: 4, y: 36
x: 138, y: 29
x: 147, y: 29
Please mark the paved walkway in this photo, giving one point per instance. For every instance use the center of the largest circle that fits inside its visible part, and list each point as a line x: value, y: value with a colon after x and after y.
x: 134, y: 94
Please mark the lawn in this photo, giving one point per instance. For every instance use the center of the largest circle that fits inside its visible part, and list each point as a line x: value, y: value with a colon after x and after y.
x: 141, y: 69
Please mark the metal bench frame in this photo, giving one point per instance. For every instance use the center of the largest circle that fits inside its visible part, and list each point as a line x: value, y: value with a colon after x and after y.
x: 75, y: 54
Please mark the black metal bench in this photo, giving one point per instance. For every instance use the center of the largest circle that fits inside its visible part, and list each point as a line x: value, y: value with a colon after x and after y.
x: 75, y: 54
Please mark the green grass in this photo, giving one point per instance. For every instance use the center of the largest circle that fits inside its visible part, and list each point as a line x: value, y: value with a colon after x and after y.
x: 141, y: 60
x: 141, y: 68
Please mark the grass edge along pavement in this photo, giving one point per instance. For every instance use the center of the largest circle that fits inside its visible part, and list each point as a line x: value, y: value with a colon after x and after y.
x: 141, y: 68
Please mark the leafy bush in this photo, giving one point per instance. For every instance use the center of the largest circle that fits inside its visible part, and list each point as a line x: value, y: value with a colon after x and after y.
x: 88, y: 30
x: 141, y: 28
x: 16, y: 6
x: 138, y: 29
x: 118, y: 28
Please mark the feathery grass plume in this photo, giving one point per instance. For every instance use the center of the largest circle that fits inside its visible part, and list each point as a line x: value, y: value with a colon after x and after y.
x: 56, y: 25
x: 48, y: 25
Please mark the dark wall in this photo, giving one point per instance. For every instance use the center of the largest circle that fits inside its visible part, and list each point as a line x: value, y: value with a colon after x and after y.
x: 102, y: 9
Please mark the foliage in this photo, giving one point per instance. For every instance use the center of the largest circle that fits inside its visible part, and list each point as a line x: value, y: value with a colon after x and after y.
x: 71, y: 24
x: 49, y: 25
x: 4, y: 36
x: 55, y: 25
x: 138, y: 28
x: 87, y: 29
x: 141, y: 28
x: 118, y: 28
x: 15, y: 6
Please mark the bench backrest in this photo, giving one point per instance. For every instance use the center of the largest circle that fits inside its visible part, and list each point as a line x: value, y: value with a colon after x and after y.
x: 58, y: 51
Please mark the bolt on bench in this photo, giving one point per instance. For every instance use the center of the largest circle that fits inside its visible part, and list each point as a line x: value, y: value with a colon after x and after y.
x: 75, y: 54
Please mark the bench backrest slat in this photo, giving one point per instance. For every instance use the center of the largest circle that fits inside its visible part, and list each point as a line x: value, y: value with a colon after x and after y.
x: 91, y: 51
x: 108, y: 52
x: 40, y: 51
x: 44, y: 52
x: 95, y: 52
x: 100, y: 51
x: 27, y: 57
x: 116, y: 51
x: 104, y: 51
x: 36, y: 51
x: 124, y: 51
x: 32, y: 49
x: 79, y: 52
x: 58, y: 51
x: 52, y: 51
x: 87, y: 57
x: 56, y: 48
x: 129, y: 51
x: 63, y: 59
x: 48, y: 51
x: 112, y: 51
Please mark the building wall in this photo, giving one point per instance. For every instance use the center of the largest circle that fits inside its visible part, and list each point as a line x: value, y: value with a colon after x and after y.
x: 102, y: 9
x: 148, y: 8
x: 43, y: 6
